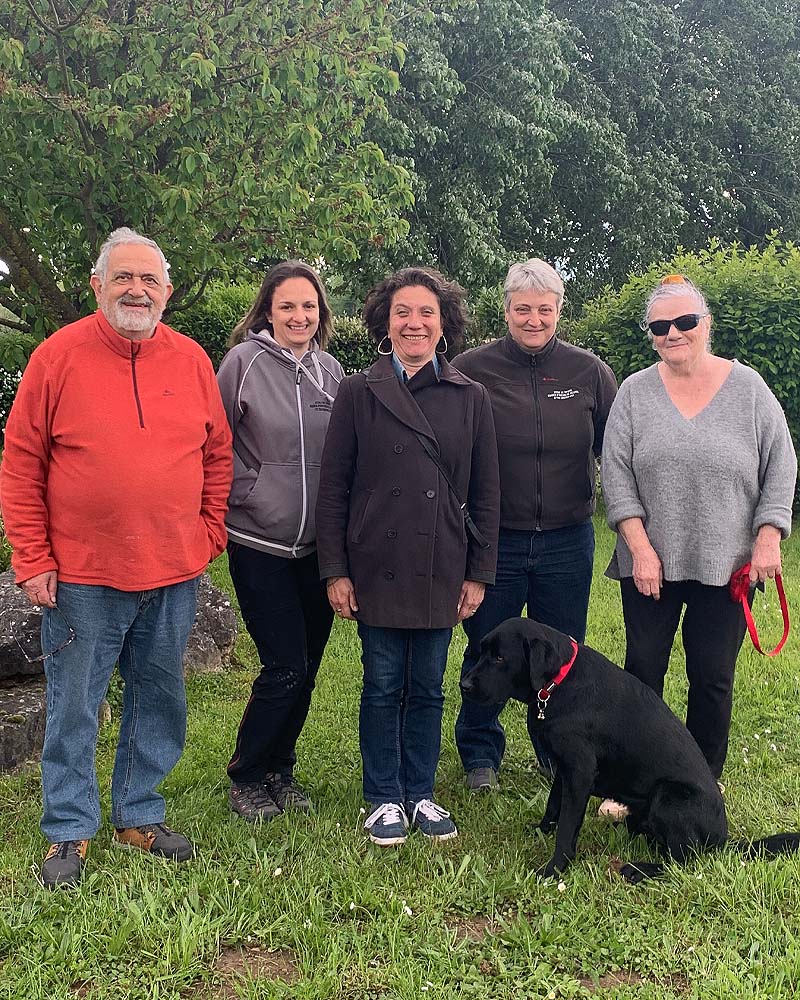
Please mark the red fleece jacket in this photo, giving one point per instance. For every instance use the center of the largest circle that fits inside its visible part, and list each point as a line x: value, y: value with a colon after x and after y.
x: 117, y: 461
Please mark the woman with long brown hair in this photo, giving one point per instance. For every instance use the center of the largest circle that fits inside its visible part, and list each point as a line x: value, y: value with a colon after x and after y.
x: 278, y: 385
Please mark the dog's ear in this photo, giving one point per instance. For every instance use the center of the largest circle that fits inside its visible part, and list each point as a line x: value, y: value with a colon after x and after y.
x: 545, y: 656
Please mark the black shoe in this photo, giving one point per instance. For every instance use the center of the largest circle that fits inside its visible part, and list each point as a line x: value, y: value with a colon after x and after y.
x: 287, y: 793
x: 156, y: 839
x: 252, y: 800
x: 63, y: 864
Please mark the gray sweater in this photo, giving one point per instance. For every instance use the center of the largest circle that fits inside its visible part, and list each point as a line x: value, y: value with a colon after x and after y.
x: 278, y: 409
x: 703, y: 487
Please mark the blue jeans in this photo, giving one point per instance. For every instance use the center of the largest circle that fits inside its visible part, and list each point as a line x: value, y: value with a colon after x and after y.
x: 551, y: 572
x: 400, y: 722
x: 146, y: 632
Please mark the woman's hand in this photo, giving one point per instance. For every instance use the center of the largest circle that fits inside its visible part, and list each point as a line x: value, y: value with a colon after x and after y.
x: 342, y: 596
x: 470, y: 598
x: 648, y: 573
x: 765, y: 560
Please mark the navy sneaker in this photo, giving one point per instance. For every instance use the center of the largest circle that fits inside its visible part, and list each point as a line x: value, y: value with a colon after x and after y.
x: 387, y: 824
x: 431, y: 820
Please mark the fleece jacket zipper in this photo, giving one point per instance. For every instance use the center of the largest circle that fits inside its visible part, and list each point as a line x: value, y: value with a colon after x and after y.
x: 134, y: 354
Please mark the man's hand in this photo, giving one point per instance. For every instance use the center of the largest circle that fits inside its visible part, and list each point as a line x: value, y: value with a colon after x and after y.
x: 41, y: 590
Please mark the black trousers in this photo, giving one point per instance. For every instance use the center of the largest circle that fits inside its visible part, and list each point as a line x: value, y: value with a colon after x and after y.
x: 712, y: 631
x: 285, y: 608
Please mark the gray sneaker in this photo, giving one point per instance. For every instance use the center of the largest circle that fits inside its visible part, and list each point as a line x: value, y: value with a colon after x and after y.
x: 287, y: 793
x: 252, y: 800
x: 63, y: 864
x: 482, y: 779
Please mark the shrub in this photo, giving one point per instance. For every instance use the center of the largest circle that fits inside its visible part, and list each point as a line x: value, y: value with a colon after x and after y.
x: 351, y: 345
x: 754, y: 296
x: 211, y: 320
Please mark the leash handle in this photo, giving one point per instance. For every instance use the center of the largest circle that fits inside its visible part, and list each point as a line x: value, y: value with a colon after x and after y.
x: 740, y: 592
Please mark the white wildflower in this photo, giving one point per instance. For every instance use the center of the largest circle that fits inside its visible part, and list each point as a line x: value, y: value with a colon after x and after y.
x: 277, y: 872
x: 408, y: 911
x: 562, y: 886
x: 235, y: 882
x: 352, y: 906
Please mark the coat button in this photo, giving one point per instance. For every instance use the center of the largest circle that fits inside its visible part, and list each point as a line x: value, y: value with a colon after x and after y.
x: 430, y: 494
x: 391, y: 533
x: 398, y: 449
x: 388, y: 575
x: 396, y: 491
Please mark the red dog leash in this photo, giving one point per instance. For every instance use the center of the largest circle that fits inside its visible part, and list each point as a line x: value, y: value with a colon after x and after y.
x: 740, y: 591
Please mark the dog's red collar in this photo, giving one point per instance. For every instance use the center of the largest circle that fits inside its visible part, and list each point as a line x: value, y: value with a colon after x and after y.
x: 543, y: 695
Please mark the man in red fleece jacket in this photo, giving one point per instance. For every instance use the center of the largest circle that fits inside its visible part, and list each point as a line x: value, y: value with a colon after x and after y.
x: 115, y: 480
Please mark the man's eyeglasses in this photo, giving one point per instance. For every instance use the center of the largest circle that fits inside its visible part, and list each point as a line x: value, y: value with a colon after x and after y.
x: 661, y: 327
x: 22, y: 628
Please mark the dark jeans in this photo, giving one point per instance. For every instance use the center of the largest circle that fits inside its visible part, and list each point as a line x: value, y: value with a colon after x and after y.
x: 712, y: 631
x: 400, y: 722
x: 551, y: 572
x: 285, y: 608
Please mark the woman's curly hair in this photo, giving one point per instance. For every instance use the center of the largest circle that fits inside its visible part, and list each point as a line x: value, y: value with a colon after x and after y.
x: 452, y: 304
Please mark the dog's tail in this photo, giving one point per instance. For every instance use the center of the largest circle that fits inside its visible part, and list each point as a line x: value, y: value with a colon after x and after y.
x: 770, y: 847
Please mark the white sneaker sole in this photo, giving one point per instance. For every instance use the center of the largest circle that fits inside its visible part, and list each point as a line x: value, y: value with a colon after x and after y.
x: 388, y: 841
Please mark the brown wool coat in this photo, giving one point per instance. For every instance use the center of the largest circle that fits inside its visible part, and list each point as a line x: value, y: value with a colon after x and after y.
x: 385, y: 515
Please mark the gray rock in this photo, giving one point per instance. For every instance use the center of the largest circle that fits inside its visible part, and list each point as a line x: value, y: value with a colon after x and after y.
x: 22, y: 711
x: 17, y: 618
x: 22, y: 687
x: 209, y: 649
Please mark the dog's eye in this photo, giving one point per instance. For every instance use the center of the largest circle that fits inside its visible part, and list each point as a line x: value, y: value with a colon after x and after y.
x: 499, y: 659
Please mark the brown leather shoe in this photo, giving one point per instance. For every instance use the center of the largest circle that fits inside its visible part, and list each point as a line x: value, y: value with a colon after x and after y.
x: 63, y: 864
x: 156, y: 839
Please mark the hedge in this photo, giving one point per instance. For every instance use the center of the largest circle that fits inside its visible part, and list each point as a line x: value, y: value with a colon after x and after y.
x: 754, y: 298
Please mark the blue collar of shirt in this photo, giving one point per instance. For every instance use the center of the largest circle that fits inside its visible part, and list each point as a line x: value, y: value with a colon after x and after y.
x: 402, y: 374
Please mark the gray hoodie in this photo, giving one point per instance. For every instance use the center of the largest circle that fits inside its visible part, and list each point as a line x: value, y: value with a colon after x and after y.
x: 278, y: 409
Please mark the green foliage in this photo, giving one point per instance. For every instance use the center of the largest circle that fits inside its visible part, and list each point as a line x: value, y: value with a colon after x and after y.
x: 488, y: 312
x: 754, y: 298
x: 351, y: 345
x: 211, y: 320
x: 5, y: 547
x: 230, y: 132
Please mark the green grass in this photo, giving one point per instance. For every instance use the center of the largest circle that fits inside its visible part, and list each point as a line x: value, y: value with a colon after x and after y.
x: 320, y: 913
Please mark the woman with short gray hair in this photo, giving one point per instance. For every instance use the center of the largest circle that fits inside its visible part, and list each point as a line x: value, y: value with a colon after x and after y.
x: 550, y: 401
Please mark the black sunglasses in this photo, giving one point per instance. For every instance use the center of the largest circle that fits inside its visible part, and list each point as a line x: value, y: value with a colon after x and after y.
x: 661, y: 327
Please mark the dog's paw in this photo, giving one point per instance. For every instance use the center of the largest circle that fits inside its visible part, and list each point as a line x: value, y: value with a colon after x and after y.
x: 551, y: 869
x: 547, y: 826
x: 636, y: 872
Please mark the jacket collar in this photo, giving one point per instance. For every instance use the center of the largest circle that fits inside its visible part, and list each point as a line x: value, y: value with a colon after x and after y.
x: 122, y: 345
x: 399, y: 400
x: 513, y: 351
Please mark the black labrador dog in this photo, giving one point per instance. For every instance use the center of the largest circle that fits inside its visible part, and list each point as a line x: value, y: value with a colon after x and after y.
x: 609, y: 735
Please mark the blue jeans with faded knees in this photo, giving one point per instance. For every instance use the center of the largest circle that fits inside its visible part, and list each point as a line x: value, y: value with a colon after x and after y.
x: 146, y: 633
x: 400, y: 721
x: 551, y: 572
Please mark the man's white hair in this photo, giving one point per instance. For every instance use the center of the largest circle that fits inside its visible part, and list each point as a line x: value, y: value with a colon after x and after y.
x: 122, y: 237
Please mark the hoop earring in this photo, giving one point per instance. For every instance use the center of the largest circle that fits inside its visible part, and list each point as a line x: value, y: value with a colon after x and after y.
x: 444, y: 349
x: 390, y: 351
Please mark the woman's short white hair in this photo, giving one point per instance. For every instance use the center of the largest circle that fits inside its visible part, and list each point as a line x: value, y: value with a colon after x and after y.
x: 122, y: 237
x: 672, y: 287
x: 534, y: 274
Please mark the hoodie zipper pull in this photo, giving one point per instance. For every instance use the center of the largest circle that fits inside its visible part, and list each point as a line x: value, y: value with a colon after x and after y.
x: 299, y: 376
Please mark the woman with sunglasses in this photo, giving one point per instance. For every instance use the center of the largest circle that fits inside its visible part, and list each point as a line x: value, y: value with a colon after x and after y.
x: 698, y: 478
